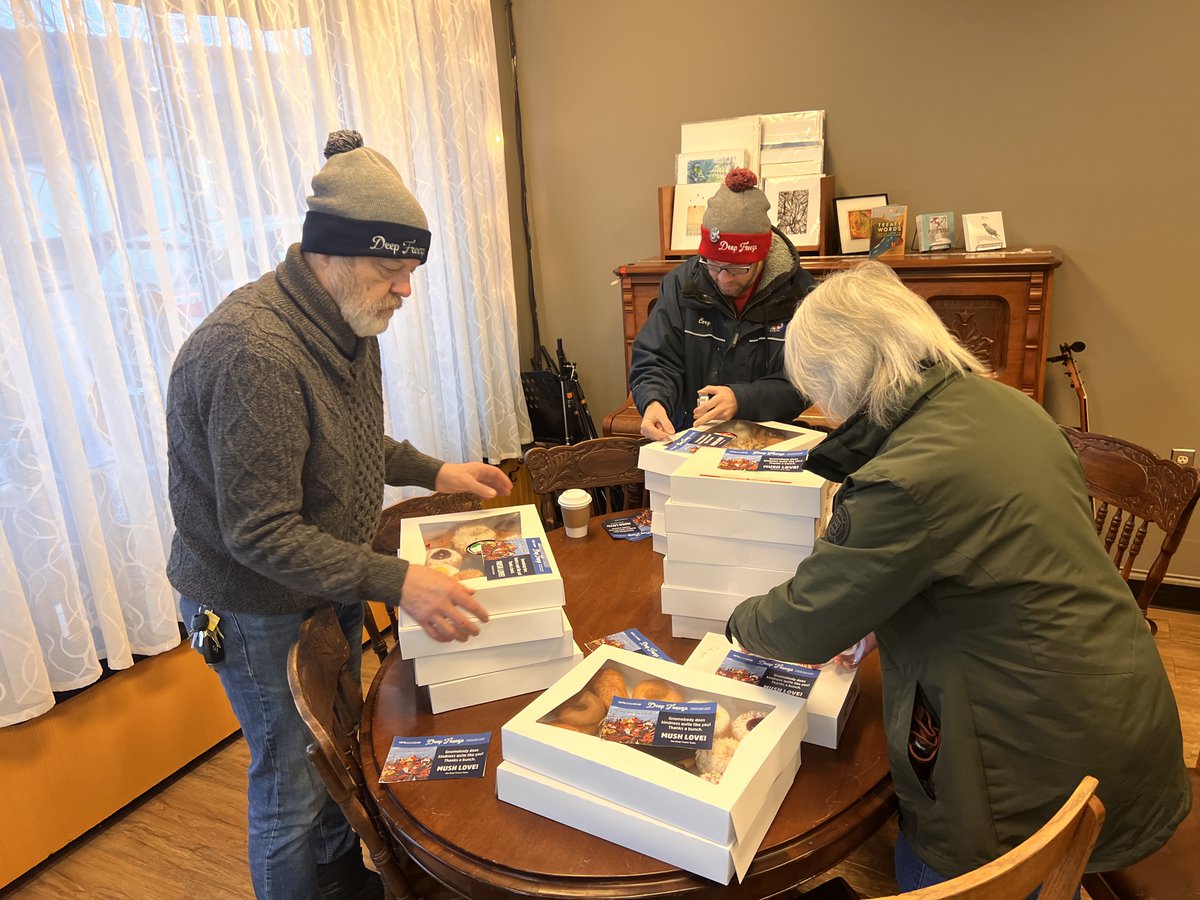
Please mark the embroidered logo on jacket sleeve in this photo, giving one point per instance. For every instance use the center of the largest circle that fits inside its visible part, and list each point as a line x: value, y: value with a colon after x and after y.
x: 838, y: 530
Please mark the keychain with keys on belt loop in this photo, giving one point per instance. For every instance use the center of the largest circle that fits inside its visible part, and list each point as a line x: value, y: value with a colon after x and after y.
x: 206, y: 635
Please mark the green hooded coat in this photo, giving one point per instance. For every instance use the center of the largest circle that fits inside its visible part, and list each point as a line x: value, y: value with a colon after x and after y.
x: 963, y: 538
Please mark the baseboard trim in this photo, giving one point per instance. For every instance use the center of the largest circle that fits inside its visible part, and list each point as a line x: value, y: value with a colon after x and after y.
x: 1174, y: 594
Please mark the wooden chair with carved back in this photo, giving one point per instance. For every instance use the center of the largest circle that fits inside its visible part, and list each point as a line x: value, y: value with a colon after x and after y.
x: 387, y: 542
x: 1132, y: 488
x: 607, y: 467
x: 329, y: 700
x: 1053, y: 857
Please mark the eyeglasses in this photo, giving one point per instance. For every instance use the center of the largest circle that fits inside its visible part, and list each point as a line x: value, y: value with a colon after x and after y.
x: 715, y: 269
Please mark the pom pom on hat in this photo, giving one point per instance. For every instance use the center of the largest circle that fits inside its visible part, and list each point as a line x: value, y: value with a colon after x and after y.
x: 342, y: 141
x: 737, y: 180
x: 735, y: 228
x: 360, y: 206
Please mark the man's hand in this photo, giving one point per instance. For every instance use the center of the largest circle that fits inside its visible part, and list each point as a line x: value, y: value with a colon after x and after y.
x: 656, y: 424
x: 438, y: 602
x: 478, y: 478
x: 720, y: 406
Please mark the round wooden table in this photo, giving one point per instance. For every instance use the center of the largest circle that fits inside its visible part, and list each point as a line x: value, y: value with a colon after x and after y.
x: 461, y: 833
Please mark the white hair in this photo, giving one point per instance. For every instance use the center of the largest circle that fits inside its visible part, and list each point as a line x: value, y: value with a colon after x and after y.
x: 860, y: 340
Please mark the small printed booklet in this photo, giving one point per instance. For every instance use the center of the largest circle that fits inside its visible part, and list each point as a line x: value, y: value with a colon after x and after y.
x: 935, y: 231
x: 692, y: 439
x: 889, y: 230
x: 629, y: 528
x: 436, y: 758
x: 787, y: 678
x: 763, y: 461
x: 630, y: 639
x: 657, y: 723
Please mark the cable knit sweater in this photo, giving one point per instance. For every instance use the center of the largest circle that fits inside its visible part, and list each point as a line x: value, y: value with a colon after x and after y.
x: 277, y: 453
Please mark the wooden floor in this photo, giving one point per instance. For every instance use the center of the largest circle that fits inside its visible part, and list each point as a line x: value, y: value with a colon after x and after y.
x: 187, y: 838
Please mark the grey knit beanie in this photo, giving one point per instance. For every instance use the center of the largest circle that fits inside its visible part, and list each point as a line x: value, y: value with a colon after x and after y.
x: 735, y: 227
x: 360, y: 206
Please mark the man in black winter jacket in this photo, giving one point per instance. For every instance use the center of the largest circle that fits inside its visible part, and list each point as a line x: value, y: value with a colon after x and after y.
x: 712, y: 348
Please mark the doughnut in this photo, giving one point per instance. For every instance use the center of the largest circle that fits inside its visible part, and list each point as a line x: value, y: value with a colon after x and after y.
x: 608, y: 683
x: 466, y: 535
x: 657, y: 689
x: 582, y: 729
x: 469, y: 573
x: 721, y: 722
x: 711, y: 777
x: 444, y: 556
x: 717, y: 759
x: 745, y: 723
x: 444, y: 569
x: 584, y: 710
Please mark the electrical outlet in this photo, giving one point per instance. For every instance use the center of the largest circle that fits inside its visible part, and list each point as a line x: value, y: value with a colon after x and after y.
x: 1184, y: 457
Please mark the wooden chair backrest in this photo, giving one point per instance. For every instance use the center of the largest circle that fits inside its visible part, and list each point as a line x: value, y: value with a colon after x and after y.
x: 329, y: 700
x: 1130, y: 489
x: 387, y: 533
x: 1053, y: 857
x: 600, y: 466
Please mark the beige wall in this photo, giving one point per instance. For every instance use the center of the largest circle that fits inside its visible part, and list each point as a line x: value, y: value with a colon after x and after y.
x: 1077, y: 120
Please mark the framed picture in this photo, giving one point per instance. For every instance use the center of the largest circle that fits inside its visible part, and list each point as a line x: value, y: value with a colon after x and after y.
x: 796, y: 208
x: 853, y: 216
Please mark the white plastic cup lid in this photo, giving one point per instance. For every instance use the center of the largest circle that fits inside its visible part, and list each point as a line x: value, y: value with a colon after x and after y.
x: 575, y: 498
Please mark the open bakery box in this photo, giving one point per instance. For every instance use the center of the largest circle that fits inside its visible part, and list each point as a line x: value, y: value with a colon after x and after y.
x: 588, y: 762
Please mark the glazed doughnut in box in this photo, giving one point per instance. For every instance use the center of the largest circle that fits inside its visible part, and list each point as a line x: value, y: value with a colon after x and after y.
x: 704, y: 810
x: 502, y: 553
x: 830, y: 694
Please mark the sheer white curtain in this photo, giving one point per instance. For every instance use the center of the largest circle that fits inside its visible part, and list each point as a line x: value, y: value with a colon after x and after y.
x: 154, y: 155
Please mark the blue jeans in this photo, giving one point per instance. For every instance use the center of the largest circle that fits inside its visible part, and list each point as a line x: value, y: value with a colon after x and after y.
x: 913, y: 873
x: 294, y: 825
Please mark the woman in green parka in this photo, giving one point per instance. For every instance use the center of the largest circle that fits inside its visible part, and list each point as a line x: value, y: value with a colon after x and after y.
x: 1014, y: 658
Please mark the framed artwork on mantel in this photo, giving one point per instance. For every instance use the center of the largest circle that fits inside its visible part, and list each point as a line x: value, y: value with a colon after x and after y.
x: 853, y: 216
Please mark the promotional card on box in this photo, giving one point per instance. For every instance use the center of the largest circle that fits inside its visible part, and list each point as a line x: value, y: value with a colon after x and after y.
x: 434, y: 758
x: 503, y: 554
x: 629, y: 528
x: 713, y: 792
x: 829, y: 687
x: 630, y: 639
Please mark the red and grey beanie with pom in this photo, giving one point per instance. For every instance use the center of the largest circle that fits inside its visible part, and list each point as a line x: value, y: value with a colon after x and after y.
x: 735, y: 228
x: 360, y: 206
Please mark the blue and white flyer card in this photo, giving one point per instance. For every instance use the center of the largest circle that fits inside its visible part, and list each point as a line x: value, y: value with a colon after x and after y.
x: 630, y: 639
x: 512, y: 557
x: 692, y: 439
x: 629, y: 528
x: 787, y: 678
x: 763, y: 460
x: 656, y: 723
x: 435, y: 758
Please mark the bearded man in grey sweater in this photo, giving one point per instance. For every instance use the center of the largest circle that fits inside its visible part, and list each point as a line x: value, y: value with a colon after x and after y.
x: 278, y: 460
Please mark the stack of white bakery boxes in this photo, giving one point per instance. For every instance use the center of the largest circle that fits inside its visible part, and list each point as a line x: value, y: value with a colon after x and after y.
x: 504, y: 555
x: 733, y: 512
x: 693, y: 778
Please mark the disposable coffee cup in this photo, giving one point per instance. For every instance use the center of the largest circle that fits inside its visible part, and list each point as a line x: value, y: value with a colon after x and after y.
x: 576, y: 508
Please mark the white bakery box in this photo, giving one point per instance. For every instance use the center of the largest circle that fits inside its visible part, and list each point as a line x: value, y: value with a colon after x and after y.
x: 502, y: 553
x: 695, y: 628
x: 706, y: 480
x: 488, y: 686
x: 723, y: 575
x: 658, y: 461
x: 643, y: 801
x: 471, y: 659
x: 829, y: 701
x: 744, y: 525
x: 498, y: 630
x: 710, y: 549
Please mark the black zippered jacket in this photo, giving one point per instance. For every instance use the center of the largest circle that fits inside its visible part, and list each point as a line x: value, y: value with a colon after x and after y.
x: 693, y: 337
